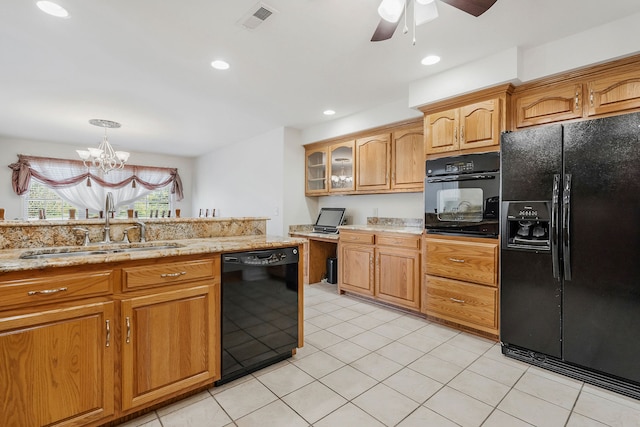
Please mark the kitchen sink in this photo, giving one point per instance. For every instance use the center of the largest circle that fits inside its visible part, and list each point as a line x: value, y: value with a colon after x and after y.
x: 74, y: 252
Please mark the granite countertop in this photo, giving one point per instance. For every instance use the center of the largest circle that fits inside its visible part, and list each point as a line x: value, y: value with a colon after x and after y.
x: 312, y: 234
x: 10, y: 258
x: 384, y: 228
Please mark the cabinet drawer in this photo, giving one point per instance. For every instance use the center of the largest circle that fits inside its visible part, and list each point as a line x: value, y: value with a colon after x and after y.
x: 348, y: 237
x: 165, y: 273
x: 401, y: 241
x: 55, y: 287
x: 472, y: 305
x: 464, y: 260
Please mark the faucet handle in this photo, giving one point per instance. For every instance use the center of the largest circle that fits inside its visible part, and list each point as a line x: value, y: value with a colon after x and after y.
x: 86, y: 234
x: 125, y: 234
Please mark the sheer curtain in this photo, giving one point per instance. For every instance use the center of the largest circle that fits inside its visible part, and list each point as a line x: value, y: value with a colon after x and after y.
x: 73, y: 182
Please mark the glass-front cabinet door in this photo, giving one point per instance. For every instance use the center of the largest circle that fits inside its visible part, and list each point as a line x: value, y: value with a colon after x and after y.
x: 316, y: 171
x: 341, y: 158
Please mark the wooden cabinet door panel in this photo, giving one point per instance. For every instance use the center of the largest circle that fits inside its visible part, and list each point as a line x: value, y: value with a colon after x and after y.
x: 398, y: 276
x: 373, y: 162
x: 316, y: 172
x: 465, y: 303
x: 469, y: 261
x: 356, y: 268
x: 442, y: 132
x: 617, y: 92
x: 548, y: 105
x: 408, y: 168
x: 174, y: 329
x: 480, y: 124
x: 342, y: 167
x: 56, y: 367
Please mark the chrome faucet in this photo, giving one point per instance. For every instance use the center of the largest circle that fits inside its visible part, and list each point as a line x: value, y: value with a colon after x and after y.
x: 143, y: 229
x: 109, y: 208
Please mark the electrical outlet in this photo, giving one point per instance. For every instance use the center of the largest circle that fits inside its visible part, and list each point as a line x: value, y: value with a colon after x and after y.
x: 375, y: 212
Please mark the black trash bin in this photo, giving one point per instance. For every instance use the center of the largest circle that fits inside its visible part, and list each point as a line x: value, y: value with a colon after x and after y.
x: 332, y: 270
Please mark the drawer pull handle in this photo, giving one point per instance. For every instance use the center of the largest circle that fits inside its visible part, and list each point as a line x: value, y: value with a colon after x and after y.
x: 461, y: 301
x: 178, y: 274
x: 108, y: 333
x: 128, y: 322
x: 456, y: 260
x: 46, y: 291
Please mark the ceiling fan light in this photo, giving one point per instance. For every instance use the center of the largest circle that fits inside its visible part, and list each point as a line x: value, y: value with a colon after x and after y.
x: 391, y: 10
x: 425, y: 12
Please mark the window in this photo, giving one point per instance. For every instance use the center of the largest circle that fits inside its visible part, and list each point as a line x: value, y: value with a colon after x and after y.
x: 39, y: 196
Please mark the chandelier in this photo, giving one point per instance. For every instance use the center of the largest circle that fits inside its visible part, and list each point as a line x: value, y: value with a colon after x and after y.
x: 104, y: 157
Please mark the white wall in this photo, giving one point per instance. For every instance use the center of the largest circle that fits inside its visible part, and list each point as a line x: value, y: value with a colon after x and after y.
x: 360, y: 207
x: 244, y: 179
x: 11, y: 147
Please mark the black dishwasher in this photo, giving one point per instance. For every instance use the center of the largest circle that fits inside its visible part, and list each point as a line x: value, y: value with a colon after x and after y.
x: 259, y: 312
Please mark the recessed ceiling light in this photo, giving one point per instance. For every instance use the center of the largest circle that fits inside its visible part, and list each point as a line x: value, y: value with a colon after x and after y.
x: 329, y: 112
x: 430, y: 60
x: 53, y: 9
x: 219, y: 64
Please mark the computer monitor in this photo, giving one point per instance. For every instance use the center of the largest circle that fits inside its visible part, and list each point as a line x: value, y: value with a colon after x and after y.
x: 328, y: 220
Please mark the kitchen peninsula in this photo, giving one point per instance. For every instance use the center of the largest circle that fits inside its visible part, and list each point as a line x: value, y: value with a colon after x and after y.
x: 106, y: 332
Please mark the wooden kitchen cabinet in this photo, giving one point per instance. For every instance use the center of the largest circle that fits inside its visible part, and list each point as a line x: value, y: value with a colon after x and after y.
x: 385, y: 266
x: 89, y: 344
x: 617, y: 91
x: 174, y: 329
x: 549, y: 104
x: 57, y: 364
x: 341, y: 163
x: 383, y: 160
x: 601, y: 90
x: 472, y: 126
x: 461, y: 281
x: 316, y: 170
x: 373, y: 155
x: 407, y: 159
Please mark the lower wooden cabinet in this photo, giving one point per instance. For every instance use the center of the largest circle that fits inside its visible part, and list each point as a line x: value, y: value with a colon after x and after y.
x: 461, y: 281
x: 57, y: 365
x: 76, y: 352
x: 168, y: 343
x: 472, y: 305
x: 385, y: 266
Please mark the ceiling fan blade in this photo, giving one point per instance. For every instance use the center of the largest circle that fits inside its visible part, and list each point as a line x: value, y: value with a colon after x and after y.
x: 384, y: 31
x: 472, y: 7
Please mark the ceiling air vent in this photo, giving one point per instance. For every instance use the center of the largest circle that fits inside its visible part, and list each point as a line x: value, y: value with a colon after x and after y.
x: 256, y: 16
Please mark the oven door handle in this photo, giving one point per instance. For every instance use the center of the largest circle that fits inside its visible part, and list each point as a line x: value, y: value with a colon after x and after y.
x: 460, y: 178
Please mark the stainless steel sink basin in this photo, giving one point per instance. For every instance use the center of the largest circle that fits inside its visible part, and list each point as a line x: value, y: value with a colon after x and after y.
x: 73, y: 252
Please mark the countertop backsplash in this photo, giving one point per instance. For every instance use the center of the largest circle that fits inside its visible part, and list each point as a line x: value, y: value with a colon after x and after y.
x: 47, y: 233
x: 396, y: 222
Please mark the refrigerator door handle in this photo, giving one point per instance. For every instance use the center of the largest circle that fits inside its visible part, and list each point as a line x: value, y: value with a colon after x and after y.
x: 555, y: 225
x: 566, y: 226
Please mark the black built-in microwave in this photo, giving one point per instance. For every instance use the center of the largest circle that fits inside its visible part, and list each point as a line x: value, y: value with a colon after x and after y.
x: 462, y: 195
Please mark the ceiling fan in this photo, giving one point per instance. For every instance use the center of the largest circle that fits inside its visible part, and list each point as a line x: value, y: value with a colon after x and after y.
x: 390, y: 12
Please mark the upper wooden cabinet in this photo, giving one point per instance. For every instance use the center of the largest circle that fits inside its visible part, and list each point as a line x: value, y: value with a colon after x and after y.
x: 383, y: 160
x: 316, y: 171
x: 473, y: 123
x: 341, y: 167
x: 602, y: 90
x: 615, y: 92
x: 407, y: 159
x: 374, y: 162
x: 549, y: 104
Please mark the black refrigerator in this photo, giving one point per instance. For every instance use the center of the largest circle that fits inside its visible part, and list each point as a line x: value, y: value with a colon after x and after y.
x: 570, y: 250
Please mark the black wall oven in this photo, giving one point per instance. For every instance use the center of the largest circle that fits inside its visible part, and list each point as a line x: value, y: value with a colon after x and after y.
x: 462, y: 195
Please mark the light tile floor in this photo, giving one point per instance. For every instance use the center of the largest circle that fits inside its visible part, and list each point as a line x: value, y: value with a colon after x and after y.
x: 368, y: 365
